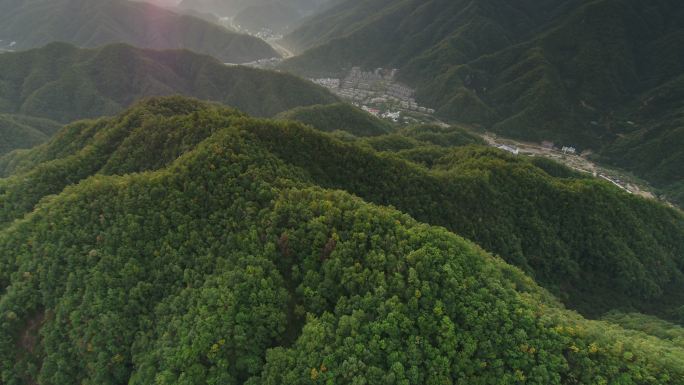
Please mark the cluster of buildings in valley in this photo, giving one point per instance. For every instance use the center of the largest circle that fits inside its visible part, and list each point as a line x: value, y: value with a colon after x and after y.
x: 376, y: 92
x: 569, y: 156
x: 544, y: 148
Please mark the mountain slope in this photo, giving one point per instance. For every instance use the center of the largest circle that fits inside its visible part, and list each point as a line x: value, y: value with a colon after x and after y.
x: 338, y: 117
x: 654, y: 147
x: 18, y: 131
x: 574, y: 72
x: 592, y: 245
x: 227, y: 264
x: 92, y: 23
x: 64, y: 83
x: 536, y: 71
x: 581, y: 238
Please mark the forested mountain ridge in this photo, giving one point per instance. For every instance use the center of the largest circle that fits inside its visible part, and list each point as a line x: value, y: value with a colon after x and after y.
x: 17, y: 131
x: 600, y: 75
x: 592, y: 245
x: 208, y: 257
x: 93, y: 23
x: 581, y: 238
x: 338, y: 117
x: 65, y: 83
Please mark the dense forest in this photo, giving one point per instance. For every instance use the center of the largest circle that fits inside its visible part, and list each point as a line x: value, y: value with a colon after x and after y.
x: 63, y: 83
x: 192, y: 247
x: 591, y: 244
x: 338, y: 117
x: 172, y: 215
x: 93, y: 23
x: 594, y: 246
x: 603, y: 75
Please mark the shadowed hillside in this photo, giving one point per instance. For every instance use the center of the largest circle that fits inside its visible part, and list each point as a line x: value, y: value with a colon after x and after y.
x: 602, y: 75
x: 93, y: 23
x: 18, y: 131
x: 64, y: 83
x: 338, y: 117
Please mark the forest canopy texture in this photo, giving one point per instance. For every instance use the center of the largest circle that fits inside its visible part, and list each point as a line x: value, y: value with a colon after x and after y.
x: 182, y: 242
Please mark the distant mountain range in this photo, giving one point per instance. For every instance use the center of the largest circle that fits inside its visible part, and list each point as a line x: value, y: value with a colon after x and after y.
x: 63, y: 83
x: 93, y: 23
x: 276, y: 16
x: 233, y: 7
x: 254, y: 15
x: 604, y: 75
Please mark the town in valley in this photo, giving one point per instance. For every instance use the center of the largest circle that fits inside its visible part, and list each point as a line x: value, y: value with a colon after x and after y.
x: 379, y: 93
